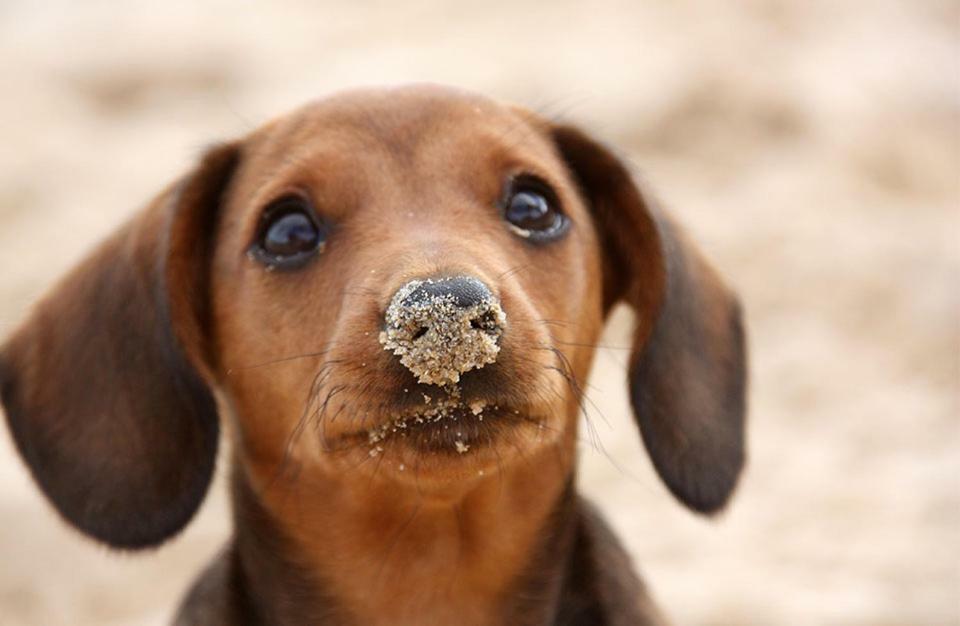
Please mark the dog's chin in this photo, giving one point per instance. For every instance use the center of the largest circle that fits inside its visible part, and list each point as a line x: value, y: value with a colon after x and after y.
x: 451, y: 441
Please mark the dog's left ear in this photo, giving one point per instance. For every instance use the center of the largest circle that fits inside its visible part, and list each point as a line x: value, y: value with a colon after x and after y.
x: 688, y: 365
x: 106, y: 386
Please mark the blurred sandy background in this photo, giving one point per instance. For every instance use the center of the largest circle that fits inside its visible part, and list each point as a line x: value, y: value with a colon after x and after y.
x: 812, y: 147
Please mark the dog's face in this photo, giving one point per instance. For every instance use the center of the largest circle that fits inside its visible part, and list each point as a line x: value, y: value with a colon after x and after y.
x: 381, y: 193
x: 406, y: 282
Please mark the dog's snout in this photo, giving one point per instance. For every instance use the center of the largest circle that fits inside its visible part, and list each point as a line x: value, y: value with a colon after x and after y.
x: 441, y: 328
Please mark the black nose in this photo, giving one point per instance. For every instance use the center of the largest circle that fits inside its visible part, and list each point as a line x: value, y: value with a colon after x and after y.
x: 441, y: 328
x: 464, y: 291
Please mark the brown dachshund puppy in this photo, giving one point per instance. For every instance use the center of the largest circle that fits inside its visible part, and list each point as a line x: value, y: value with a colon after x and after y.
x: 390, y: 299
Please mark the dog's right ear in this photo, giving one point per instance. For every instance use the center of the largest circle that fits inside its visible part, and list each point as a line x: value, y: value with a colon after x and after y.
x: 105, y: 384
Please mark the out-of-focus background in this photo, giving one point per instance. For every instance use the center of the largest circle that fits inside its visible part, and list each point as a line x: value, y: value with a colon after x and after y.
x: 812, y: 148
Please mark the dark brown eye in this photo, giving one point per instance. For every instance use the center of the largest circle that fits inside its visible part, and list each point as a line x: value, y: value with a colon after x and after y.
x: 532, y: 210
x: 289, y: 235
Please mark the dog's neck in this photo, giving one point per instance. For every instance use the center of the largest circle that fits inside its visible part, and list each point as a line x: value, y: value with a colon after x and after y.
x: 349, y: 549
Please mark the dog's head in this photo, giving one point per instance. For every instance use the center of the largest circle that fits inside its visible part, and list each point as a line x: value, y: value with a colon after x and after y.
x: 405, y: 284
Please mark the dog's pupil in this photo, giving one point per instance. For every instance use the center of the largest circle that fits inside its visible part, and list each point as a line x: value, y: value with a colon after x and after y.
x: 290, y: 234
x: 530, y: 210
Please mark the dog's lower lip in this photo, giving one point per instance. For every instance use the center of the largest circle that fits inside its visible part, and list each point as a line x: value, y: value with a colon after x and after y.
x: 456, y: 428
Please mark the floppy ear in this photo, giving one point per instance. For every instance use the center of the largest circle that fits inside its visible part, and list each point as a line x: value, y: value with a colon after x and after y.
x: 104, y: 384
x: 688, y: 365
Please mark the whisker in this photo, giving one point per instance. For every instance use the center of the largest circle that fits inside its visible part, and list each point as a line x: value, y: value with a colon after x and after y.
x: 514, y: 271
x: 555, y: 322
x: 577, y: 387
x: 360, y: 291
x: 595, y: 442
x: 598, y: 346
x: 305, y: 355
x: 298, y: 428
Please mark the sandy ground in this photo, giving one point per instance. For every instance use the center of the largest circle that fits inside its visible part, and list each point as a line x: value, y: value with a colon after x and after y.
x: 813, y: 148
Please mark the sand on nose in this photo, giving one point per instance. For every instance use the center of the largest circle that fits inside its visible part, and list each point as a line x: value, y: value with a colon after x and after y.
x: 437, y: 339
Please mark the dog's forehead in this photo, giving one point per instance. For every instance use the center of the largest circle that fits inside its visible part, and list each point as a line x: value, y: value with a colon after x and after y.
x: 404, y: 122
x: 409, y: 106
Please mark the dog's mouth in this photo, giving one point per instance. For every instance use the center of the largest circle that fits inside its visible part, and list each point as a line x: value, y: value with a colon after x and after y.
x: 450, y: 425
